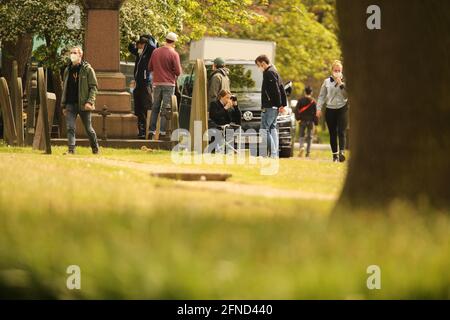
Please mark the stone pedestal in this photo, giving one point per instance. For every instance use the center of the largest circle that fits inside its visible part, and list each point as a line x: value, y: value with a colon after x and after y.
x: 102, y: 51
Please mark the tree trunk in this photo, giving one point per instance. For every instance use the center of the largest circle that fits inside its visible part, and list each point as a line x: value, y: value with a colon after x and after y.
x: 20, y: 51
x: 399, y: 94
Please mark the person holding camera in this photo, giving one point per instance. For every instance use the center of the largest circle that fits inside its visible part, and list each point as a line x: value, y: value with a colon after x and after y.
x: 224, y: 113
x: 142, y: 92
x: 224, y: 110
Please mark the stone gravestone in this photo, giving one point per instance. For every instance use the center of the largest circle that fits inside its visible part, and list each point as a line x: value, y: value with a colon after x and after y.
x: 9, y: 127
x: 174, y: 121
x: 199, y: 110
x: 19, y: 119
x: 17, y: 103
x: 39, y: 141
x: 45, y: 117
x: 32, y: 98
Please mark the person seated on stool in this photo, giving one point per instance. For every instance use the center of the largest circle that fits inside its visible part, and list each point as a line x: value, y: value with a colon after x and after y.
x: 224, y: 112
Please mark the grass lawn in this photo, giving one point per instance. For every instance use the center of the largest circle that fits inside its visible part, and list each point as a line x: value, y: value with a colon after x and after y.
x: 254, y: 237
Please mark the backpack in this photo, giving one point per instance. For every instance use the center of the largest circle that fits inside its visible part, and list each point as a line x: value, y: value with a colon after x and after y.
x: 299, y: 111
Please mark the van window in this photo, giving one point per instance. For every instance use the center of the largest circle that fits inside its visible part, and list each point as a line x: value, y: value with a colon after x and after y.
x: 245, y: 78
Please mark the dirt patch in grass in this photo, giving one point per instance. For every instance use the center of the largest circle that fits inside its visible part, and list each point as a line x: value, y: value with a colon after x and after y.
x: 228, y: 187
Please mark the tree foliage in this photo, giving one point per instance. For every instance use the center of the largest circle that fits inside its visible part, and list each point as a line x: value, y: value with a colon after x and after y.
x: 58, y: 23
x: 305, y: 33
x: 304, y: 30
x: 52, y: 21
x: 191, y: 19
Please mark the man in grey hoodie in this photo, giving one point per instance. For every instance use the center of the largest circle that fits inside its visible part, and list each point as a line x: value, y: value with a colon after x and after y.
x: 218, y: 81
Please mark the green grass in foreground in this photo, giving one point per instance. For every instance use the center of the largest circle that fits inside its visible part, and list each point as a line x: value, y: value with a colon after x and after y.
x: 135, y: 236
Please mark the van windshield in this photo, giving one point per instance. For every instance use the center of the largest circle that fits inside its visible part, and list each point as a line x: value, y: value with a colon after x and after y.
x: 245, y: 78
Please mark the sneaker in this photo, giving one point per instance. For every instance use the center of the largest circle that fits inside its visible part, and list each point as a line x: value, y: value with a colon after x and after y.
x: 307, y: 155
x: 335, y: 158
x: 95, y: 150
x: 69, y: 152
x: 341, y: 157
x: 151, y: 135
x: 300, y: 153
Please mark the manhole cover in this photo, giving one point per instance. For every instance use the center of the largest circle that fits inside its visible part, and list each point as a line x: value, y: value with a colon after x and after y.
x: 190, y: 176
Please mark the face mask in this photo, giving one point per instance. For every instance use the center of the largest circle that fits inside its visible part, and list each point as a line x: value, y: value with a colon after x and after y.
x: 140, y: 51
x: 337, y: 75
x: 74, y: 58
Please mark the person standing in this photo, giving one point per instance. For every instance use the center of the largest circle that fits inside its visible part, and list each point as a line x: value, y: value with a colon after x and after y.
x: 218, y: 81
x: 78, y: 98
x: 142, y: 92
x: 166, y: 67
x: 273, y: 100
x: 333, y: 94
x: 305, y: 112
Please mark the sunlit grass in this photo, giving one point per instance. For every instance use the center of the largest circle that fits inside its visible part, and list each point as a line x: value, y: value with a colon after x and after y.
x: 136, y: 236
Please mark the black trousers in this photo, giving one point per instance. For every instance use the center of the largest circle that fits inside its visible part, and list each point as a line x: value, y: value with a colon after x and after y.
x: 142, y: 103
x: 337, y: 121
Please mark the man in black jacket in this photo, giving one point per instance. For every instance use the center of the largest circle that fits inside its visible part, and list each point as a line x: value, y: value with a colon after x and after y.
x: 273, y: 100
x: 142, y: 93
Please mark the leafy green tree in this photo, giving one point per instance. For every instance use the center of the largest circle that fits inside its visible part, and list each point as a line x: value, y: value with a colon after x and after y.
x: 57, y: 22
x: 16, y: 41
x: 191, y: 19
x: 241, y: 78
x: 305, y: 35
x: 49, y: 20
x: 325, y: 12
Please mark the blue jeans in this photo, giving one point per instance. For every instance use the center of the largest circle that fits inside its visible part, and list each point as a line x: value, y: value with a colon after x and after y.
x: 162, y: 98
x: 72, y: 112
x: 270, y: 133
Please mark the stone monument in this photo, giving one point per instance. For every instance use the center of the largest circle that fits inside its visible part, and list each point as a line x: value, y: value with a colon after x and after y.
x: 102, y: 51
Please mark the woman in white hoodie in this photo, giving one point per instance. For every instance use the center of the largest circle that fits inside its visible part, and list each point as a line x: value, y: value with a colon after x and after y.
x: 334, y: 95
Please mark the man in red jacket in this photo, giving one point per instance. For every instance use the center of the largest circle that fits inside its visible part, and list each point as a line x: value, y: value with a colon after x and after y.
x: 166, y: 67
